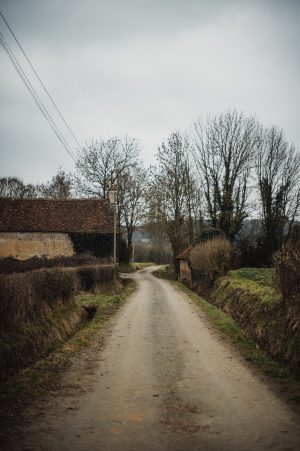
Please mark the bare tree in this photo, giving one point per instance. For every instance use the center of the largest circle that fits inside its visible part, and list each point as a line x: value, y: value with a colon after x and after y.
x: 223, y: 153
x: 171, y: 192
x: 59, y: 187
x: 102, y: 162
x: 278, y: 179
x: 16, y: 188
x: 132, y: 186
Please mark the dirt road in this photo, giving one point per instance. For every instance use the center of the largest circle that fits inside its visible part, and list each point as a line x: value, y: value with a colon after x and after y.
x: 162, y: 380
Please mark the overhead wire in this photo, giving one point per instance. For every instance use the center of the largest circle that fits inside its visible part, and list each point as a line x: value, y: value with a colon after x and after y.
x: 35, y: 96
x: 38, y: 77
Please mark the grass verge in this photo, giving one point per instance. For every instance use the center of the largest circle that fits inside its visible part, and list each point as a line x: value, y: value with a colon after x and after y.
x: 143, y: 265
x: 165, y: 272
x: 263, y: 276
x: 44, y: 374
x: 132, y: 267
x: 126, y: 268
x: 256, y: 284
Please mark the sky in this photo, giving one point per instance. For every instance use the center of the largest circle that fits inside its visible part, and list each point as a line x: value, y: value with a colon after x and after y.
x: 143, y: 68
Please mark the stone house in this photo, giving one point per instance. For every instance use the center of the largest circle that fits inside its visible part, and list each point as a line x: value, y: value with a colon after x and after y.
x: 51, y: 227
x: 185, y: 274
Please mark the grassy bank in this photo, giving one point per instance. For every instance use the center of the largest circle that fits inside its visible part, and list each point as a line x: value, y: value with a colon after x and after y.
x: 143, y: 265
x: 251, y: 298
x: 165, y: 272
x: 43, y: 375
x: 38, y: 310
x: 231, y: 330
x: 132, y: 267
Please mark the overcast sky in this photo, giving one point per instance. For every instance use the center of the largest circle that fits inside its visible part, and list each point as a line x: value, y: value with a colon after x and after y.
x: 143, y: 68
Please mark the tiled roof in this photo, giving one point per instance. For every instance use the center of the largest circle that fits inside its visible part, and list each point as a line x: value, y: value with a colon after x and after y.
x: 185, y: 254
x: 45, y: 215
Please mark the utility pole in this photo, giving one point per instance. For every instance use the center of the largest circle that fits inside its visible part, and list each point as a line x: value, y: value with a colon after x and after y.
x: 112, y: 195
x: 115, y: 237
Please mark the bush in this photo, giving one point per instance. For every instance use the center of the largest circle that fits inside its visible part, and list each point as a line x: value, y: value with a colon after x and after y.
x: 11, y: 265
x: 287, y: 270
x: 93, y: 276
x: 28, y: 296
x: 210, y: 259
x: 54, y: 284
x: 166, y: 272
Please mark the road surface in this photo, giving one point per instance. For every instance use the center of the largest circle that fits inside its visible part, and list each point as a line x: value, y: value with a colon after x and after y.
x: 162, y: 380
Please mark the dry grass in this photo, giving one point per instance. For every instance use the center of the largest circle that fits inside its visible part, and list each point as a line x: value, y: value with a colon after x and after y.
x: 39, y: 377
x: 11, y: 265
x: 210, y: 259
x: 37, y: 309
x: 287, y: 271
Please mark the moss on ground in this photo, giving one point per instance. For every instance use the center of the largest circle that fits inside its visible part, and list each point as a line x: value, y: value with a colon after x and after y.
x: 263, y: 276
x: 256, y: 282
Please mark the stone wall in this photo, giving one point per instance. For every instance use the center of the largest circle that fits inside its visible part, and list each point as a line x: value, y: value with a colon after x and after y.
x: 26, y: 245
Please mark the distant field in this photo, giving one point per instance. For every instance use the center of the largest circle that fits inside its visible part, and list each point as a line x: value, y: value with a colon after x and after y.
x: 142, y: 265
x: 131, y: 267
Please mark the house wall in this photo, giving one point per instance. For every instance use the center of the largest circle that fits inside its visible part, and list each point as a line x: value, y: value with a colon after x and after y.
x: 26, y: 245
x: 185, y: 272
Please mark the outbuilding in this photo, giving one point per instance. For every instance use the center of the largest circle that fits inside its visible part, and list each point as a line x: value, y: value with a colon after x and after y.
x: 51, y: 227
x: 185, y: 274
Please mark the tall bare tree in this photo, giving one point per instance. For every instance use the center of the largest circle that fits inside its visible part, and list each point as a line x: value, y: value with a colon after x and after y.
x: 102, y: 162
x: 278, y: 179
x: 223, y: 153
x: 132, y: 186
x: 171, y: 192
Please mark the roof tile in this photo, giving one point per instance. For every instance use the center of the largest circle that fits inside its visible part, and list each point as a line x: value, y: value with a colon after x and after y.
x: 53, y: 215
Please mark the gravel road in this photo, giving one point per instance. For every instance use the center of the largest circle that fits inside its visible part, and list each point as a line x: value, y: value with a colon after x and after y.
x: 160, y: 379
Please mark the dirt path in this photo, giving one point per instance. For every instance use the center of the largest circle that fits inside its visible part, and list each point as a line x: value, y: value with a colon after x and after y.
x: 163, y: 380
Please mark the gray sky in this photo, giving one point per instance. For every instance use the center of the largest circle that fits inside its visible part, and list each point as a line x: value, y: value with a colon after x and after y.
x: 143, y: 68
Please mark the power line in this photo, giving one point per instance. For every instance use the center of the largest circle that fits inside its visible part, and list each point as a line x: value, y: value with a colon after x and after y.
x: 35, y: 96
x: 30, y: 64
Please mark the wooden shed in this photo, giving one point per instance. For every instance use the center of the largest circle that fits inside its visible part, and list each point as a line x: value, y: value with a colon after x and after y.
x: 185, y: 274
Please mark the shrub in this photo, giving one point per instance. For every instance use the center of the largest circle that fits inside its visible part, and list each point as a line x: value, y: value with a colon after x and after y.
x: 11, y: 265
x: 210, y: 259
x: 53, y: 284
x: 287, y: 270
x: 166, y: 272
x: 25, y: 297
x: 93, y: 276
